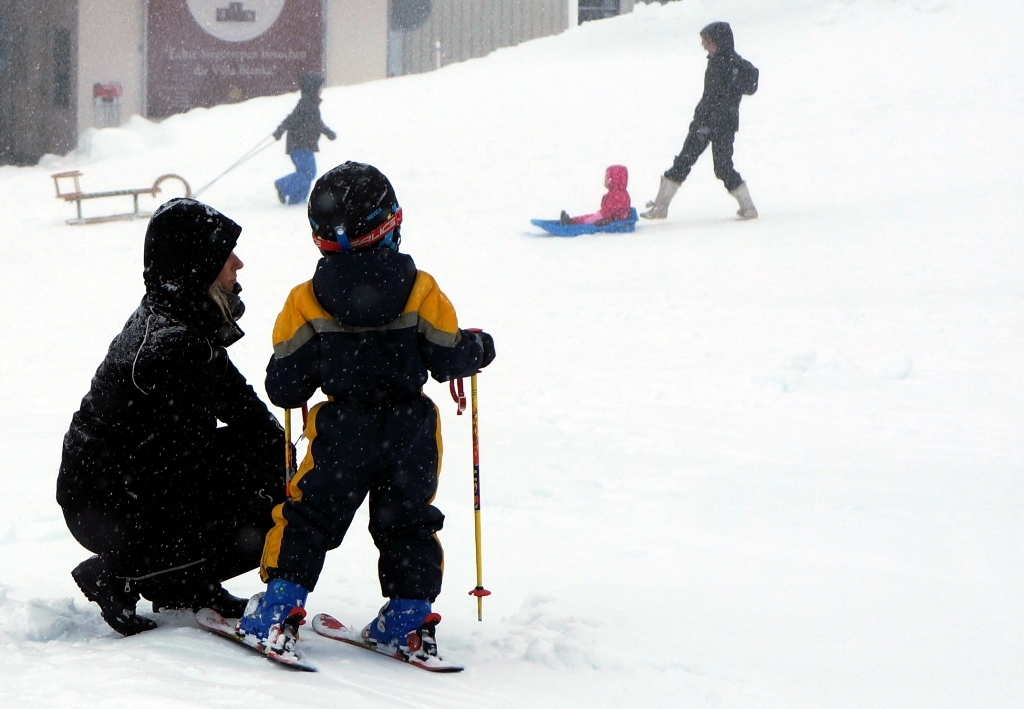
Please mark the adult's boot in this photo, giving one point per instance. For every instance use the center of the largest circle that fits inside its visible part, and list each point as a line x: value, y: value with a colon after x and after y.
x: 747, y: 209
x: 102, y: 587
x: 658, y: 209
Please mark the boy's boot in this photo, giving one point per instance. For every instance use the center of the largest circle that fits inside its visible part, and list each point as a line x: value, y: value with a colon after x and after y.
x: 564, y: 218
x: 272, y: 619
x: 406, y: 626
x: 747, y: 209
x: 117, y: 606
x: 658, y: 209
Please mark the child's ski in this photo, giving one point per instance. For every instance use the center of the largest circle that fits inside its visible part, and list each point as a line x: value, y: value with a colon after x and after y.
x: 214, y: 622
x: 332, y: 628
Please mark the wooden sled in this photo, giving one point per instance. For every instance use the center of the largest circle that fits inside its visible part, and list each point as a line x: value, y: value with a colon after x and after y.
x: 78, y: 195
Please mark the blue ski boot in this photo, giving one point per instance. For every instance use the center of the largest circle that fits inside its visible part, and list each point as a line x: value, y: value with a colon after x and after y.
x: 404, y: 628
x: 272, y: 619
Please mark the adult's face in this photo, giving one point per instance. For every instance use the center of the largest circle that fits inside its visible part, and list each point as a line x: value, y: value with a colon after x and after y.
x: 228, y: 275
x: 709, y: 46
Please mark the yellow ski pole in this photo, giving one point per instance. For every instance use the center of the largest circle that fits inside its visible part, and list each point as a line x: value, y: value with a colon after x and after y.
x: 479, y: 591
x: 289, y: 465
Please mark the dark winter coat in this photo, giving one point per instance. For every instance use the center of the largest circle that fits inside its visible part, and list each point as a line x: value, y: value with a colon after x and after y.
x: 719, y: 107
x: 304, y: 124
x: 368, y: 328
x: 142, y: 445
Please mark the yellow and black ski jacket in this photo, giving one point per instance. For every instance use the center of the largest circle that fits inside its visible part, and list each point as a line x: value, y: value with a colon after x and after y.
x: 367, y: 328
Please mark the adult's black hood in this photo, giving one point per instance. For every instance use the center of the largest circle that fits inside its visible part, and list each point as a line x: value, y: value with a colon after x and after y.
x: 309, y: 83
x: 187, y: 244
x: 721, y: 34
x: 365, y: 288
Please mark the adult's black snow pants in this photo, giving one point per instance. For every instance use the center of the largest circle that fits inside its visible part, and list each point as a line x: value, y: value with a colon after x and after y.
x: 696, y: 142
x: 390, y: 451
x: 170, y: 554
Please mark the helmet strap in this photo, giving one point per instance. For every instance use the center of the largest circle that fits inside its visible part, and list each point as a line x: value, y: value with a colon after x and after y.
x: 390, y: 241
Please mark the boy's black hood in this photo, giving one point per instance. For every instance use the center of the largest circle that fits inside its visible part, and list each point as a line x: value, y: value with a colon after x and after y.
x: 364, y: 288
x: 721, y: 34
x: 309, y: 83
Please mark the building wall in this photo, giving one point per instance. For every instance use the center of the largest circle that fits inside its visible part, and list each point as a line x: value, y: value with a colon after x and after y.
x: 356, y: 41
x: 111, y: 47
x: 108, y: 40
x: 37, y: 79
x: 473, y: 28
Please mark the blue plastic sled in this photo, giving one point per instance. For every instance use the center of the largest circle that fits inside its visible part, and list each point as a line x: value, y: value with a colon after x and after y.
x: 556, y: 228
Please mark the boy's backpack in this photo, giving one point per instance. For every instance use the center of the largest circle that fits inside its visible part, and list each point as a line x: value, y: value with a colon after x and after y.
x: 744, y: 76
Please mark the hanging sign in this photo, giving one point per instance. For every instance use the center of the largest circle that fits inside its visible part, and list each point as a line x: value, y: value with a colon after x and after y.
x: 208, y: 52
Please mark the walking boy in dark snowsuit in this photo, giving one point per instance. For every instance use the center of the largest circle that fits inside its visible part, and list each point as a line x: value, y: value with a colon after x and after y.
x: 304, y: 126
x: 715, y: 121
x: 365, y: 330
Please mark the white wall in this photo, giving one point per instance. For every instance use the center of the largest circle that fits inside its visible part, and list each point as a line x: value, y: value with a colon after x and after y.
x: 111, y: 44
x: 355, y: 41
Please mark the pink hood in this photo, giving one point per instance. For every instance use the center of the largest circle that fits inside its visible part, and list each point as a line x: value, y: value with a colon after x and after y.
x: 616, y: 177
x: 616, y: 204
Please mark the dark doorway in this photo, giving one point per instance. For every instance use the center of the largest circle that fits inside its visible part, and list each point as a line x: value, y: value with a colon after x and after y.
x: 597, y: 9
x: 38, y: 110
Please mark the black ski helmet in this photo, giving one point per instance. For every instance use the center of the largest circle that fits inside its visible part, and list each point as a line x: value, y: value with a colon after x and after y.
x: 353, y: 206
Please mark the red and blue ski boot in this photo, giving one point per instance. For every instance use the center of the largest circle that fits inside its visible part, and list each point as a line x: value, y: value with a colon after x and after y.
x: 272, y: 619
x: 404, y: 628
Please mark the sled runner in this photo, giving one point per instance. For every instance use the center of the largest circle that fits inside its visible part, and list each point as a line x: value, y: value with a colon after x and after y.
x: 556, y: 228
x: 77, y: 196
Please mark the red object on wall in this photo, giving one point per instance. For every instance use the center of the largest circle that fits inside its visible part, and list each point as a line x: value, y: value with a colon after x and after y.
x: 107, y: 91
x: 209, y: 52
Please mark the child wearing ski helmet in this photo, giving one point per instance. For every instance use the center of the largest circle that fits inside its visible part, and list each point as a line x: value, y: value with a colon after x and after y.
x: 716, y: 119
x: 615, y: 205
x: 366, y: 330
x: 303, y: 126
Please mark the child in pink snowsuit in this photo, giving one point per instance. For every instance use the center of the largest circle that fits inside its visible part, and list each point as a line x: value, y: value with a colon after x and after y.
x: 615, y: 205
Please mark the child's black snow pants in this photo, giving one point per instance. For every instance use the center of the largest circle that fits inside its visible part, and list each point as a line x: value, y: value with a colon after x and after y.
x: 389, y: 450
x: 721, y: 150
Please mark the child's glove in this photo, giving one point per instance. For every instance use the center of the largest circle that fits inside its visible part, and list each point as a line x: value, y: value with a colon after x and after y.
x: 486, y: 344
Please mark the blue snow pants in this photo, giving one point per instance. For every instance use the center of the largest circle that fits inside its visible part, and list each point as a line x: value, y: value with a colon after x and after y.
x: 294, y: 188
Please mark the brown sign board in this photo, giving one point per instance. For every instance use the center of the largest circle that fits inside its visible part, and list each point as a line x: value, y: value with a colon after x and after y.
x: 208, y: 52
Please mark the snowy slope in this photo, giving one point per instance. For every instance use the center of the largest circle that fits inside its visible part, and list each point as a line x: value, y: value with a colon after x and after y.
x: 762, y: 464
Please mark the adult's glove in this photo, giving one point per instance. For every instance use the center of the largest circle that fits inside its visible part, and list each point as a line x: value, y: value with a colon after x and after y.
x: 278, y: 133
x: 331, y: 135
x: 486, y: 343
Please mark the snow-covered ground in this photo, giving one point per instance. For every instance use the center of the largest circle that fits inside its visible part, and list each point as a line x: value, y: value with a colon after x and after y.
x: 729, y: 464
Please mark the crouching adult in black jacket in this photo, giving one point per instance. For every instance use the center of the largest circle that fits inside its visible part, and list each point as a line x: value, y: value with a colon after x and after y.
x: 171, y: 504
